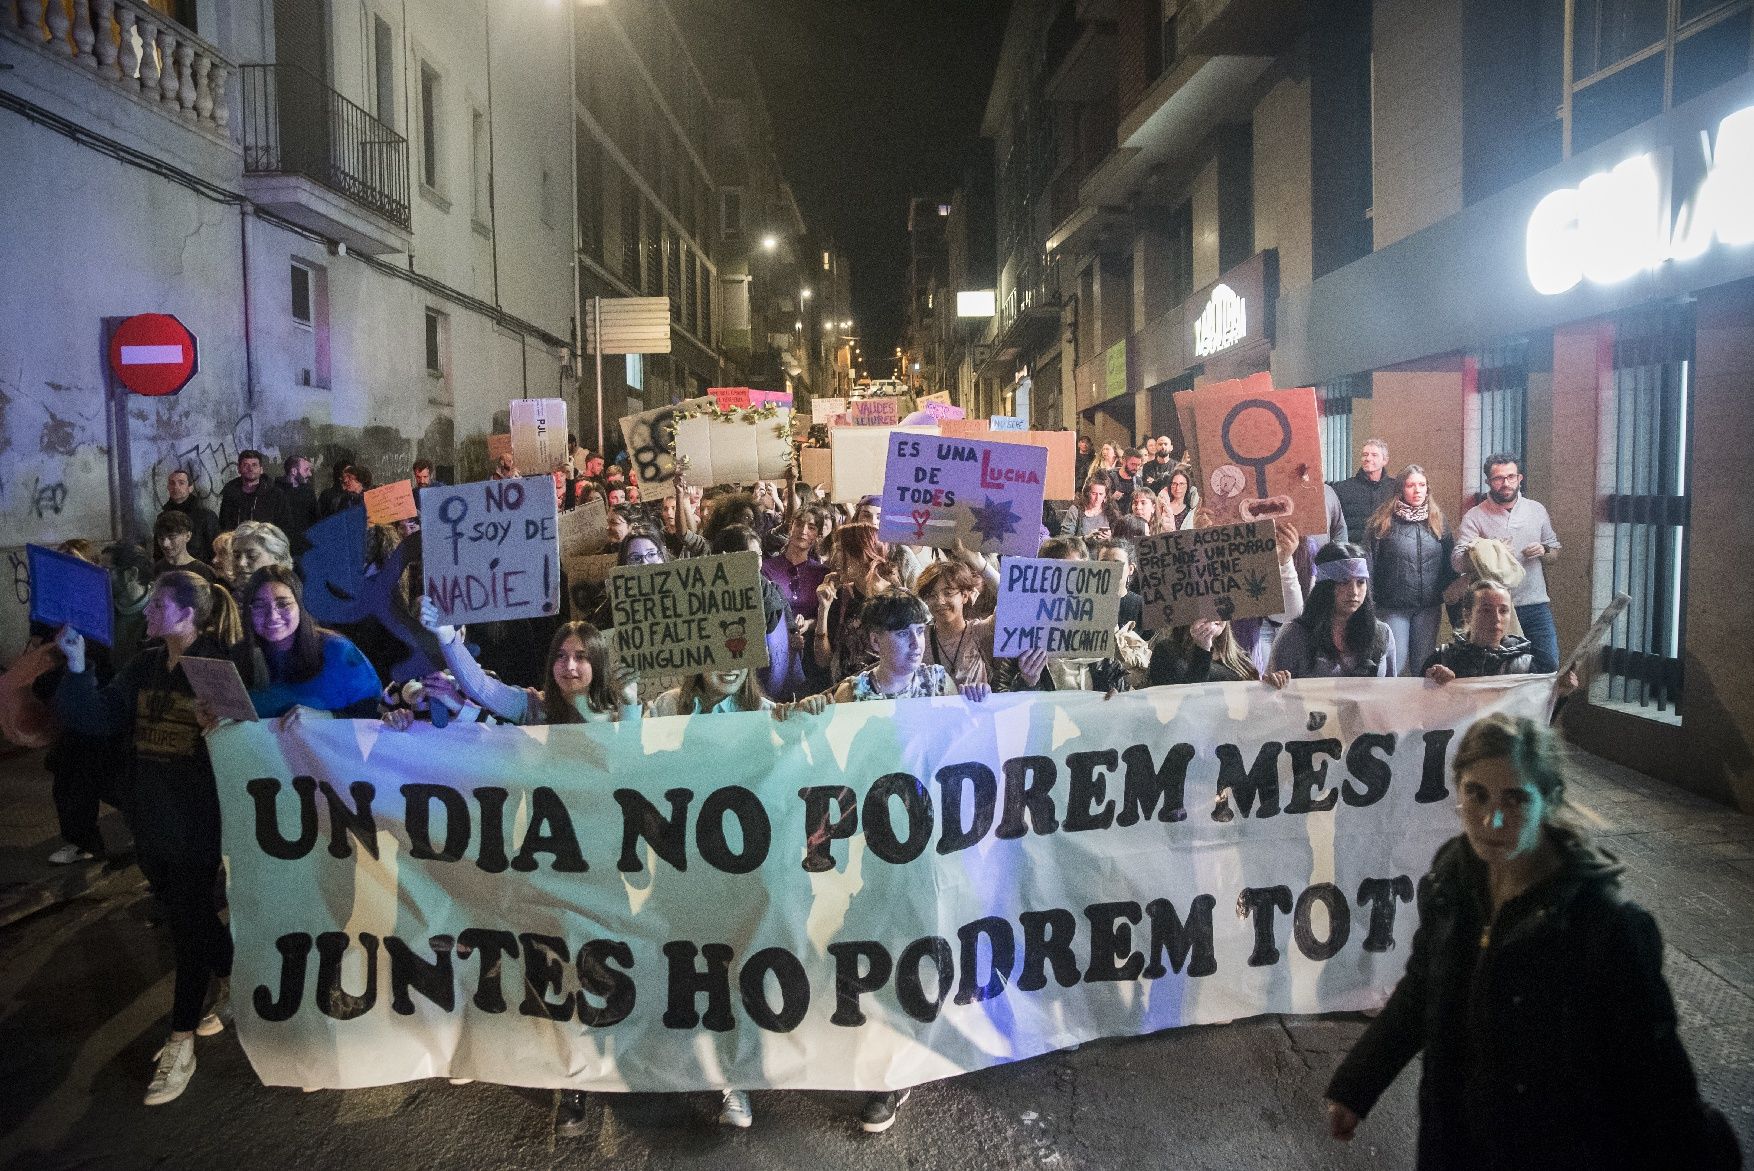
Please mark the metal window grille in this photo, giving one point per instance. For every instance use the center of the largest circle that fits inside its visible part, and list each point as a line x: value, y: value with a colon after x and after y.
x: 1643, y: 537
x: 1334, y: 406
x: 630, y: 234
x: 1503, y: 392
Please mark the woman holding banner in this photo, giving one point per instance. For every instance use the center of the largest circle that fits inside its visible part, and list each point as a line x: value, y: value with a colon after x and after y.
x: 961, y: 645
x: 176, y: 802
x: 307, y: 666
x: 580, y: 688
x: 1534, y: 992
x: 1338, y: 634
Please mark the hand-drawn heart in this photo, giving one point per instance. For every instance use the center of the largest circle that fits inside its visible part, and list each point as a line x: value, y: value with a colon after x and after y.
x: 921, y: 516
x: 736, y: 645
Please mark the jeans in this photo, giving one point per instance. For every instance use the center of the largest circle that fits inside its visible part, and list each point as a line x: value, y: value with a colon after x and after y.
x: 1415, y: 634
x: 1543, y: 636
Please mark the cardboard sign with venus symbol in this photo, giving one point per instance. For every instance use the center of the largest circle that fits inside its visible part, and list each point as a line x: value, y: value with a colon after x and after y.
x: 1261, y: 452
x: 939, y: 490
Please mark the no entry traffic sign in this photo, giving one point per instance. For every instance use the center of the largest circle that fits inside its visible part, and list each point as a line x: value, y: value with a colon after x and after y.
x: 153, y: 354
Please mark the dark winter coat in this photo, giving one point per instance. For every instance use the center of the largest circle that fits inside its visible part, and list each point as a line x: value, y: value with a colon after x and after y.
x: 1548, y: 1040
x: 1409, y: 568
x: 205, y: 523
x: 1174, y: 662
x: 1512, y: 656
x: 265, y: 504
x: 1360, y: 496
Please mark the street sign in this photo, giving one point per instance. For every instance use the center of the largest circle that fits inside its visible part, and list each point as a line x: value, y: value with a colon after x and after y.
x: 629, y: 325
x: 153, y: 354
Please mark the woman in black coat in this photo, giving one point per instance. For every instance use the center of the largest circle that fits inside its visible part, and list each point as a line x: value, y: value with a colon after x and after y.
x: 1535, y: 993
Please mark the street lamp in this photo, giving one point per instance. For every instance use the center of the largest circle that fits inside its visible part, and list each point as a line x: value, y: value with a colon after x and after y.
x: 770, y: 242
x: 803, y: 294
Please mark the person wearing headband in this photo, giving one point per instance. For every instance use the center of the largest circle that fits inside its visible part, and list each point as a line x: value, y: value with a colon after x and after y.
x: 1338, y: 633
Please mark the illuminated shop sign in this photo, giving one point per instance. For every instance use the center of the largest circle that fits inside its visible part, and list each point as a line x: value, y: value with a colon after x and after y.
x: 1221, y: 324
x: 1616, y: 223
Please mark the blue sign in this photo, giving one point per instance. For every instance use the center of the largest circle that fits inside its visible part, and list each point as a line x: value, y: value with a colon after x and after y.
x: 66, y: 591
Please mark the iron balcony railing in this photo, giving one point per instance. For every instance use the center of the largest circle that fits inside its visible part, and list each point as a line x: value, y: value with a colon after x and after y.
x: 294, y: 124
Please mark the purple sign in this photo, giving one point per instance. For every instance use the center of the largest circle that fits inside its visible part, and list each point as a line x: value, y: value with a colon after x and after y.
x: 938, y: 490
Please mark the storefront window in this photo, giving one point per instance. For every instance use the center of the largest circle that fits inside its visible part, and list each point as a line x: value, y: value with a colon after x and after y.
x: 1642, y: 542
x: 1501, y: 401
x: 1334, y: 408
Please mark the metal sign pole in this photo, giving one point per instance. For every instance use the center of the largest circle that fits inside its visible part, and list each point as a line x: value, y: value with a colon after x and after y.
x: 597, y: 350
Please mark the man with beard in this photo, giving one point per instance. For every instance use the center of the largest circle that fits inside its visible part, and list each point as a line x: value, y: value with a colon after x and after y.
x: 1522, y: 526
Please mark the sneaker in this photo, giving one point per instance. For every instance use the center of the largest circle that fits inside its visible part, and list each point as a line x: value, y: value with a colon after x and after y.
x: 880, y: 1111
x: 68, y: 855
x: 569, y: 1116
x: 176, y: 1065
x: 734, y: 1110
x: 219, y: 1015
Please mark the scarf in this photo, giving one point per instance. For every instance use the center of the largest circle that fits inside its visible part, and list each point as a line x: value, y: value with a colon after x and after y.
x: 1406, y: 512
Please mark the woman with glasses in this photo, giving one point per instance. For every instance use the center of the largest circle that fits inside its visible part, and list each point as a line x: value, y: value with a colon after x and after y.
x: 306, y: 665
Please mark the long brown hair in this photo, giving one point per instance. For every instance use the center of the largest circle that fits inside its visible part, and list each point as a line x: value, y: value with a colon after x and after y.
x: 858, y: 551
x: 693, y: 690
x: 599, y: 696
x: 305, y: 661
x: 1384, y: 516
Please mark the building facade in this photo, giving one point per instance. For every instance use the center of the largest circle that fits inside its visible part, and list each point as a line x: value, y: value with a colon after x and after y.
x: 1478, y: 227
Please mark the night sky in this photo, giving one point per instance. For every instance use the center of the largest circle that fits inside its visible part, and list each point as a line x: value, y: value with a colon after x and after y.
x: 872, y: 101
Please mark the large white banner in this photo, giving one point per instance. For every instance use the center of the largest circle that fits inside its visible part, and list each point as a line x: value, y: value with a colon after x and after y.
x: 879, y: 896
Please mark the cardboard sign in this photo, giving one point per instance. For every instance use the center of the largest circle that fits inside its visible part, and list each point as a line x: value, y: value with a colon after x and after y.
x: 1062, y: 449
x: 498, y: 445
x: 936, y: 396
x: 584, y: 529
x: 1067, y: 608
x: 734, y: 451
x: 939, y: 411
x: 1223, y: 572
x: 651, y: 438
x: 816, y: 466
x: 218, y: 685
x: 827, y: 411
x: 389, y: 503
x: 65, y: 591
x: 539, y: 434
x: 735, y: 397
x: 874, y: 412
x: 684, y: 617
x: 938, y: 491
x: 490, y: 551
x: 585, y: 575
x: 1261, y: 454
x: 1009, y: 423
x: 860, y: 455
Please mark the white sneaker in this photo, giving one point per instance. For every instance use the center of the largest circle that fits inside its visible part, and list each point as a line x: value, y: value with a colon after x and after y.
x: 734, y: 1110
x: 68, y: 855
x: 219, y: 1015
x: 176, y: 1065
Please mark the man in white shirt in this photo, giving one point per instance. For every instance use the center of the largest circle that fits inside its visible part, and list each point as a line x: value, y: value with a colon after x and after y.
x: 1522, y: 526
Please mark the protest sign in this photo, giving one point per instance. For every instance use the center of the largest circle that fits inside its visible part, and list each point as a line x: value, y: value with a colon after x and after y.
x: 1223, y: 572
x: 585, y: 574
x: 683, y: 617
x: 539, y: 434
x: 737, y: 397
x: 828, y: 902
x: 1062, y: 449
x: 874, y: 412
x: 827, y: 411
x: 585, y: 528
x: 936, y: 396
x: 965, y: 428
x: 816, y: 466
x: 740, y: 449
x: 1067, y: 608
x: 1261, y: 451
x: 68, y: 591
x: 860, y: 455
x: 651, y: 439
x: 937, y: 412
x: 491, y: 550
x: 218, y: 685
x: 499, y: 444
x: 389, y: 503
x: 941, y: 491
x: 1008, y: 423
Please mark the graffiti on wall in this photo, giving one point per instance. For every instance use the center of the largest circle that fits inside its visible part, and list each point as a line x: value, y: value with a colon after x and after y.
x: 210, y: 462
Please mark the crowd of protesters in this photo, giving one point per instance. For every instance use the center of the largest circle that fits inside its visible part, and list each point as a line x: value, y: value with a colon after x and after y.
x: 850, y: 618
